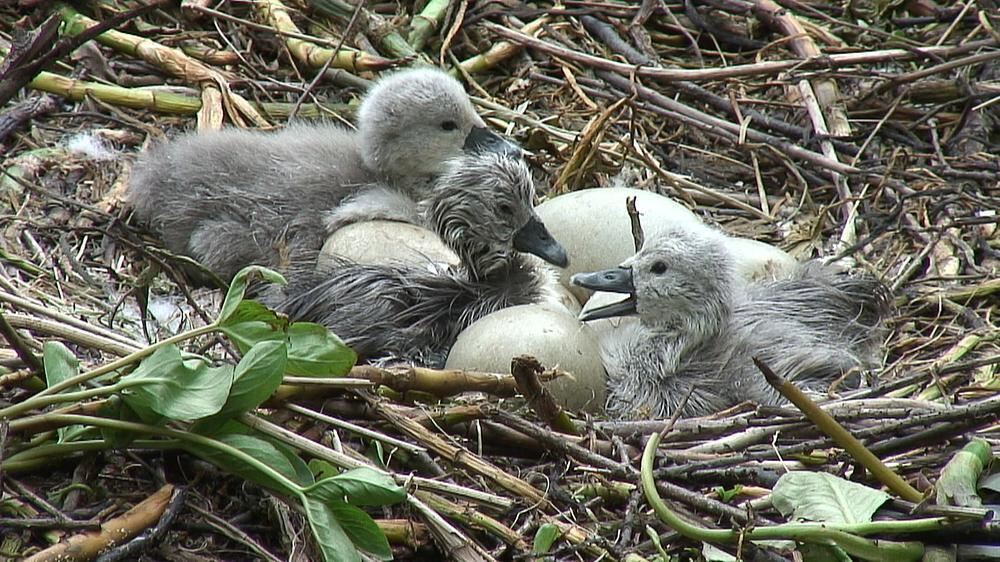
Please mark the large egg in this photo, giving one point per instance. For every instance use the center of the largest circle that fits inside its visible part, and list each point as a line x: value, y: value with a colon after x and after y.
x: 386, y: 242
x: 546, y: 332
x: 757, y: 261
x: 594, y: 227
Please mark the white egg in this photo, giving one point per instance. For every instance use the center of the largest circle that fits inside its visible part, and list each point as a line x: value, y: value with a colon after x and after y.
x: 546, y: 332
x: 385, y: 242
x: 562, y: 296
x: 757, y: 261
x: 594, y: 227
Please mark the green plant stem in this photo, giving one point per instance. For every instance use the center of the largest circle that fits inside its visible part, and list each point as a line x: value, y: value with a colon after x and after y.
x: 844, y: 536
x: 124, y: 361
x: 183, y: 437
x: 37, y: 457
x: 426, y: 22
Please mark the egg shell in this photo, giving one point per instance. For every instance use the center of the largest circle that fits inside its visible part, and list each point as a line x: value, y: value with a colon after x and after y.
x: 546, y: 332
x: 385, y: 242
x: 594, y: 227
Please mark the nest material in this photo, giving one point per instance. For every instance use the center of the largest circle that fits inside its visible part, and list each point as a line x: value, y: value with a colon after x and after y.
x: 868, y: 135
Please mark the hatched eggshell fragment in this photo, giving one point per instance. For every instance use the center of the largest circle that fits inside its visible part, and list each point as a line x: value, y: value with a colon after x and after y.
x: 546, y: 332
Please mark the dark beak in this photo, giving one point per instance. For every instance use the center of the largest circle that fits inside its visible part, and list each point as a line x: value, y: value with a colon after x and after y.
x: 618, y: 280
x: 482, y: 139
x: 534, y: 238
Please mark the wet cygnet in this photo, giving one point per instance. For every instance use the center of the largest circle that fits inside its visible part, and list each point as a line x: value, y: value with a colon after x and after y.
x: 482, y: 209
x: 699, y: 328
x: 234, y: 197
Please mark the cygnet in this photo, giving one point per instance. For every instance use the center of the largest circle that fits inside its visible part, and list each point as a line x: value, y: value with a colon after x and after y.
x: 594, y: 226
x: 234, y: 197
x: 699, y: 327
x: 482, y: 209
x: 545, y: 332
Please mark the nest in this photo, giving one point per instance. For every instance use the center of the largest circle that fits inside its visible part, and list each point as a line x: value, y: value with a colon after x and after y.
x: 865, y: 133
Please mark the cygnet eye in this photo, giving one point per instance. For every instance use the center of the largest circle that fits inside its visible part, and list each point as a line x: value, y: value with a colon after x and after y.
x: 449, y: 125
x: 505, y: 209
x: 658, y: 268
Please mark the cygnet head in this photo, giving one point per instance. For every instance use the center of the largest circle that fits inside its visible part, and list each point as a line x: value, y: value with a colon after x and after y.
x: 411, y: 122
x: 483, y: 208
x: 679, y: 280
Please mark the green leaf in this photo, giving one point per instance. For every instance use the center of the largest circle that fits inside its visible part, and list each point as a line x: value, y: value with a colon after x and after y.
x: 116, y: 408
x: 257, y: 376
x: 59, y: 363
x: 315, y: 351
x: 957, y: 483
x: 333, y: 542
x: 545, y: 537
x: 362, y: 530
x: 269, y: 454
x: 322, y: 469
x: 818, y: 496
x: 360, y: 486
x: 178, y: 389
x: 238, y: 288
x: 712, y: 553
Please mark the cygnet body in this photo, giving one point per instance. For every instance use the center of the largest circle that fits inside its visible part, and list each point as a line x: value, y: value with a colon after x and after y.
x: 699, y: 328
x: 234, y: 197
x: 482, y: 209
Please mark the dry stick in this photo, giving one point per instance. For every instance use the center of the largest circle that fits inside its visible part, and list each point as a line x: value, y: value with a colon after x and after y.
x: 326, y: 65
x: 526, y: 370
x: 713, y: 124
x: 354, y: 428
x: 173, y: 61
x: 86, y: 546
x: 559, y: 444
x: 455, y: 544
x: 70, y: 333
x: 463, y: 457
x: 820, y: 96
x: 638, y: 238
x: 828, y: 425
x: 735, y: 71
x: 343, y: 460
x: 607, y: 34
x: 957, y: 420
x: 501, y: 50
x: 21, y: 348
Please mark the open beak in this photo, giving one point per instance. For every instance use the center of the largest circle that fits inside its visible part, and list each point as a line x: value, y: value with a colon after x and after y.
x: 617, y: 280
x: 483, y: 139
x: 534, y: 238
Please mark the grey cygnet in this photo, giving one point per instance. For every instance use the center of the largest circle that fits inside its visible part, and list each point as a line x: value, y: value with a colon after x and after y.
x: 699, y: 329
x: 483, y: 210
x: 234, y: 197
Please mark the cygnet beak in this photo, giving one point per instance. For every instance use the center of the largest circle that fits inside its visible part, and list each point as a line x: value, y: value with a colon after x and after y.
x: 617, y: 280
x: 534, y: 238
x: 483, y: 139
